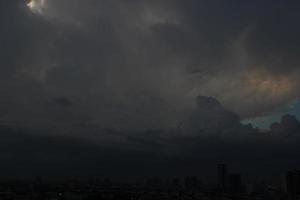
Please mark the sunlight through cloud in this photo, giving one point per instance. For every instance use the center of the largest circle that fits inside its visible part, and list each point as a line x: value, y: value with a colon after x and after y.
x: 37, y: 6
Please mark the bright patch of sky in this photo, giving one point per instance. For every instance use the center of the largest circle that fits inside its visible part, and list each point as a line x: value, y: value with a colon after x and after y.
x: 265, y: 122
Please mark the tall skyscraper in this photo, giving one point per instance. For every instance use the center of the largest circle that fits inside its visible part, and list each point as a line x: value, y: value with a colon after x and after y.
x: 292, y: 183
x: 235, y: 183
x: 223, y: 177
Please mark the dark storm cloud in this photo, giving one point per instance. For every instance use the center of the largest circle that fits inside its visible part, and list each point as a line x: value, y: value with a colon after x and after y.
x: 288, y: 126
x: 52, y: 156
x: 92, y: 85
x: 135, y: 65
x: 63, y: 101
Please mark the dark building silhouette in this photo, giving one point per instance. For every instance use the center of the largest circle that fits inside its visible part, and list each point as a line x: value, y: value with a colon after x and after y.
x: 292, y: 183
x: 223, y: 177
x: 235, y: 183
x: 191, y: 183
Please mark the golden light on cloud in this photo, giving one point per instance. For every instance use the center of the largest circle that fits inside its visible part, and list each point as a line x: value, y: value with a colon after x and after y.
x: 37, y: 6
x: 272, y: 85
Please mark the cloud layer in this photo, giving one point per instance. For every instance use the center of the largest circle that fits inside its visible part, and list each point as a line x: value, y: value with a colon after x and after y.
x: 135, y: 65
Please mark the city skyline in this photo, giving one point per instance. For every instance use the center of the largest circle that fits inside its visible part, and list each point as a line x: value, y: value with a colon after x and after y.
x: 145, y: 88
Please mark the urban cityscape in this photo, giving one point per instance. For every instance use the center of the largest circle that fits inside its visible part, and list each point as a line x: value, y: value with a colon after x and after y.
x: 228, y: 186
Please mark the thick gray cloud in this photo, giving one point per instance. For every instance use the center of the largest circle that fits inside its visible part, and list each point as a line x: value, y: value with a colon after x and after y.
x: 138, y: 65
x: 95, y: 85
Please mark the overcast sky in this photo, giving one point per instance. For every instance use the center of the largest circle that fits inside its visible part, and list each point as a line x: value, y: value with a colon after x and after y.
x: 69, y: 67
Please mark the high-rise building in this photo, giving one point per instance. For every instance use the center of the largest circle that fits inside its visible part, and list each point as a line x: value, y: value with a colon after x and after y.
x: 235, y: 183
x: 292, y: 182
x: 223, y: 177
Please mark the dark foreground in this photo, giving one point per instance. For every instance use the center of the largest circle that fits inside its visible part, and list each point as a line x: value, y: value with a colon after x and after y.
x: 228, y: 186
